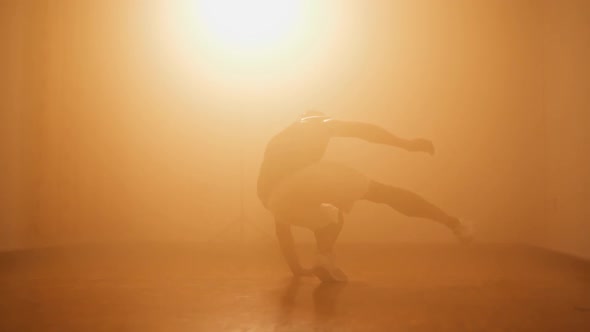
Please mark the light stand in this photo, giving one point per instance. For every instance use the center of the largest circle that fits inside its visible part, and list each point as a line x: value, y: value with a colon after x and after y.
x: 241, y: 222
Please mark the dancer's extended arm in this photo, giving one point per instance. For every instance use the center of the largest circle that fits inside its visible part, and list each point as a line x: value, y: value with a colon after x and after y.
x: 375, y: 134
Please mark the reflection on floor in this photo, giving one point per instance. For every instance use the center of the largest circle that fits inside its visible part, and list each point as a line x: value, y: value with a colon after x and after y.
x: 247, y: 288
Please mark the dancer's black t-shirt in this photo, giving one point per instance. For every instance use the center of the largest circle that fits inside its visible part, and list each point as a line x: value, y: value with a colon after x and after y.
x: 296, y: 147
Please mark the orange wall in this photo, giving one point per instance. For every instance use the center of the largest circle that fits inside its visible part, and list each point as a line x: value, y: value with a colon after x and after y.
x: 11, y: 232
x: 567, y: 105
x: 131, y: 143
x: 21, y: 60
x: 133, y: 149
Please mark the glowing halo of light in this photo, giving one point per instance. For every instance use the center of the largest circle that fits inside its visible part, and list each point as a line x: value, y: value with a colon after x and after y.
x: 246, y: 26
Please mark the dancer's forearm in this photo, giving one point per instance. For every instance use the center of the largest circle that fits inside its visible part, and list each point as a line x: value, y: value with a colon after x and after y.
x: 370, y: 133
x: 375, y: 134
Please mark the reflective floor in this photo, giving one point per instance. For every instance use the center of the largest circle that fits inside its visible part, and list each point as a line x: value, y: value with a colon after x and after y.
x: 214, y: 288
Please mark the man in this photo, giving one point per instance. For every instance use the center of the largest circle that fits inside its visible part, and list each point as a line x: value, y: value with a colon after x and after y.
x: 302, y: 190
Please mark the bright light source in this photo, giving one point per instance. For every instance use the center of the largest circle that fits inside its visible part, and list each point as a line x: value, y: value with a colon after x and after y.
x: 248, y: 25
x: 255, y: 47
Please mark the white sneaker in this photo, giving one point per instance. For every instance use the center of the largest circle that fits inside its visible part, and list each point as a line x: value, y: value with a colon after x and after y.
x: 327, y: 271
